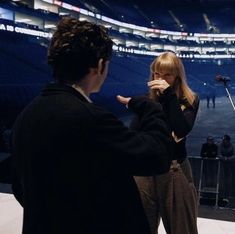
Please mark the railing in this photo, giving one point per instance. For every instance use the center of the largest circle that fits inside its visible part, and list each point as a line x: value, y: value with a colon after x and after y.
x: 209, y: 177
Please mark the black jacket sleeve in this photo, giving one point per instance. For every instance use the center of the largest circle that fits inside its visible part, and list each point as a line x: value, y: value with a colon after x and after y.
x: 180, y: 121
x: 147, y: 151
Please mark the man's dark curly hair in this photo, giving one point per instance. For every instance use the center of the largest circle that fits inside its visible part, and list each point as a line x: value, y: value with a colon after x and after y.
x: 77, y: 46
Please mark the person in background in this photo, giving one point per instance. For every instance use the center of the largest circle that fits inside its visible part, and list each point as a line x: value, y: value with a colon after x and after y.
x: 74, y: 161
x: 210, y: 95
x: 172, y: 195
x: 226, y: 150
x: 209, y: 149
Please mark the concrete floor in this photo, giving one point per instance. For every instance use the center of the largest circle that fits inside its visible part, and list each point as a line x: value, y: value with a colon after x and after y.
x: 11, y: 219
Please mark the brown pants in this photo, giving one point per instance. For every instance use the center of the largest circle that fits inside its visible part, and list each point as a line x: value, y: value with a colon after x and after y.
x: 171, y: 196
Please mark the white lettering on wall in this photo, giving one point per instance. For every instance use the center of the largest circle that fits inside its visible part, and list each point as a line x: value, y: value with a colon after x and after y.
x: 27, y: 31
x: 10, y: 28
x: 2, y: 27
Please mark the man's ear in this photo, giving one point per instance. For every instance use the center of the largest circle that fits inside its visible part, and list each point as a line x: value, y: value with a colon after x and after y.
x: 101, y: 66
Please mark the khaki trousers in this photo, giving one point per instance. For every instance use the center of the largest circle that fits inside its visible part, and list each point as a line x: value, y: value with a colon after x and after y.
x: 171, y: 196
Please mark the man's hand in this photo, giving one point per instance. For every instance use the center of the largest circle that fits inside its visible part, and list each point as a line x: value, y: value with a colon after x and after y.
x: 123, y: 100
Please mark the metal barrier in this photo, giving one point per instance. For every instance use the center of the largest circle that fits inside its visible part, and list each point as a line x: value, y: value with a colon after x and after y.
x: 205, y: 189
x: 222, y: 194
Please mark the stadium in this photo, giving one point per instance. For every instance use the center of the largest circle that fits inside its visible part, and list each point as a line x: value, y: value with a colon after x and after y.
x: 200, y: 32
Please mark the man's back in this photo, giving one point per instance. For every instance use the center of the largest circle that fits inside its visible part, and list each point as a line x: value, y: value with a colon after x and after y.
x: 74, y: 160
x: 70, y: 181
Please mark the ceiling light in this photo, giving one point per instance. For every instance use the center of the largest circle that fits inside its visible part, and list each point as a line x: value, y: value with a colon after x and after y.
x: 24, y: 20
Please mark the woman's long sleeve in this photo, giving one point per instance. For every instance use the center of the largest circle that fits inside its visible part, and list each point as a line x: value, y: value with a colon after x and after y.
x: 181, y: 117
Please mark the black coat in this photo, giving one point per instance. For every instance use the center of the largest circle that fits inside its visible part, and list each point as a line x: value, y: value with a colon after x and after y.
x: 209, y: 150
x: 75, y: 162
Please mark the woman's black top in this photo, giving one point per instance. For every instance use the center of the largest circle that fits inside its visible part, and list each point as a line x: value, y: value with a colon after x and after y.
x: 180, y: 117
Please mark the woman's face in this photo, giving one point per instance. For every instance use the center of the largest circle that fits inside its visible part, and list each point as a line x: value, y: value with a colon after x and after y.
x: 169, y: 78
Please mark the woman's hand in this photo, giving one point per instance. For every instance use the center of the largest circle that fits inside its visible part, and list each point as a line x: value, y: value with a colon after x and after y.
x: 158, y: 84
x: 123, y: 100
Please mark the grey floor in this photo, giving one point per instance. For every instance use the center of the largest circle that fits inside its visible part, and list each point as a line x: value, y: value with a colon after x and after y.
x: 11, y: 214
x: 221, y: 213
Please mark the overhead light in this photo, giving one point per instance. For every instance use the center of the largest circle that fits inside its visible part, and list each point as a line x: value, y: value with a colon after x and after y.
x: 50, y: 26
x: 23, y: 20
x: 48, y: 1
x: 64, y: 13
x: 124, y: 30
x: 107, y: 26
x: 116, y: 41
x: 82, y: 18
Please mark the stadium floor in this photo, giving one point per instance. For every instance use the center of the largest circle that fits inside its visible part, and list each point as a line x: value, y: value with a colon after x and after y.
x: 11, y: 219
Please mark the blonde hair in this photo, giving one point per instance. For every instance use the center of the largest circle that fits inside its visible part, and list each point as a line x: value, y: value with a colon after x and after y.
x: 169, y: 63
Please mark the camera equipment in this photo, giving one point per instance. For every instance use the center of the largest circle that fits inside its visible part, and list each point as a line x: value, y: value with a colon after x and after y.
x: 225, y: 79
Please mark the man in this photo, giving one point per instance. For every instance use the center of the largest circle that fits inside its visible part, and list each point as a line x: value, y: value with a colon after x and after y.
x: 227, y: 151
x: 209, y: 149
x: 75, y: 160
x: 226, y: 148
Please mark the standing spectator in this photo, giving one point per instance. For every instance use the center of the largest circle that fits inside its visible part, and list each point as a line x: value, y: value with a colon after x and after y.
x: 209, y: 149
x: 210, y: 92
x: 227, y: 151
x: 226, y: 148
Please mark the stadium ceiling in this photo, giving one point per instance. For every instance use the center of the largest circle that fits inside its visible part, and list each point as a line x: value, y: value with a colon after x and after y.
x: 132, y: 30
x: 211, y: 16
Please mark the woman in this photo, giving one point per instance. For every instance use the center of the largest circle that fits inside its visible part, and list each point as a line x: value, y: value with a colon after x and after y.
x: 172, y: 196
